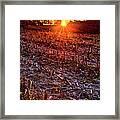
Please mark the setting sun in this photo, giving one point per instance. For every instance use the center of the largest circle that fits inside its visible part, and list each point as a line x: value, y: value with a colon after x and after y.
x: 64, y: 23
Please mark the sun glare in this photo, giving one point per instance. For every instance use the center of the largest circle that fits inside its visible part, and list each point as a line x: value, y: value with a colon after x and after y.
x: 64, y: 23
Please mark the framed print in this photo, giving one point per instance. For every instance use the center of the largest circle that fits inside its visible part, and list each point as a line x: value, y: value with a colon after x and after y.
x: 60, y: 59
